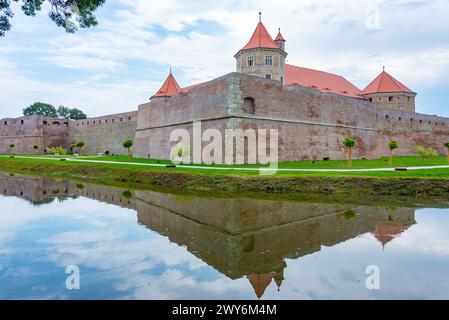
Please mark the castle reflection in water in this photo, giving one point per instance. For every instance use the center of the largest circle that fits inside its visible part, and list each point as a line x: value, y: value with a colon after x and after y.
x: 238, y: 237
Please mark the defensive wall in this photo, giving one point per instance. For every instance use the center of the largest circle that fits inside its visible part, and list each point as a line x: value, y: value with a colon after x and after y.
x: 311, y: 124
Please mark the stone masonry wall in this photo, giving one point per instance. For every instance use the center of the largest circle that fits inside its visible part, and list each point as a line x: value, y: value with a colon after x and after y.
x: 311, y: 124
x: 27, y: 132
x: 105, y: 133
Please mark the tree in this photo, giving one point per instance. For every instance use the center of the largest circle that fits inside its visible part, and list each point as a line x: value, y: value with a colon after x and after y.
x: 69, y: 14
x: 349, y: 144
x: 60, y: 151
x: 127, y: 145
x: 72, y: 147
x: 64, y: 112
x: 446, y: 144
x: 424, y: 152
x: 11, y: 147
x: 80, y: 145
x: 392, y: 145
x: 42, y: 109
x: 76, y: 114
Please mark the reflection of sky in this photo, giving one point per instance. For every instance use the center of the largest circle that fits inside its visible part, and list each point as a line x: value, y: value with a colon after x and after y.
x: 119, y: 258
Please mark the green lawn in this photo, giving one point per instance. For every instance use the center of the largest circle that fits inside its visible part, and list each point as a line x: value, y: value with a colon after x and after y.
x: 408, y: 161
x: 398, y: 161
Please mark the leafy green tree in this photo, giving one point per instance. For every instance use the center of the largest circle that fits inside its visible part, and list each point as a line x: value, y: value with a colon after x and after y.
x: 127, y: 144
x: 58, y: 150
x: 349, y: 144
x: 446, y: 144
x: 64, y: 112
x: 424, y: 152
x: 76, y: 114
x: 11, y: 147
x: 72, y: 147
x: 392, y: 145
x: 68, y: 14
x: 42, y: 109
x: 80, y: 145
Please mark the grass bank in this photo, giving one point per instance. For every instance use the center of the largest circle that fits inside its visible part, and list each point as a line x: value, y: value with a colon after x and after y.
x: 313, y: 187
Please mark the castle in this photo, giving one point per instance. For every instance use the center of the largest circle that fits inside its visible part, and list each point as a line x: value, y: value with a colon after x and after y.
x: 312, y: 110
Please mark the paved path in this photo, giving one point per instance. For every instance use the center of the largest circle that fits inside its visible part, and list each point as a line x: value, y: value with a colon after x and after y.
x: 230, y: 168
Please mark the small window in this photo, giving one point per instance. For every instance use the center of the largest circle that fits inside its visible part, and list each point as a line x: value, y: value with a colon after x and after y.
x: 56, y: 123
x: 420, y: 121
x: 249, y: 105
x: 282, y: 79
x: 390, y: 99
x: 66, y: 124
x: 21, y: 121
x: 121, y: 119
x: 6, y: 123
x: 400, y: 118
x: 129, y: 118
x: 268, y: 76
x: 386, y: 117
x: 113, y: 120
x: 45, y: 123
x: 370, y: 99
x: 380, y: 99
x: 268, y: 60
x: 250, y: 61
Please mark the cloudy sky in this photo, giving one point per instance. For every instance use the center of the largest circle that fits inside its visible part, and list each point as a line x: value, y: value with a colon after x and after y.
x: 124, y: 60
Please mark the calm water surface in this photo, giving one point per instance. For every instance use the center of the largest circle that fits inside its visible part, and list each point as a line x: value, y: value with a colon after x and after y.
x: 147, y: 245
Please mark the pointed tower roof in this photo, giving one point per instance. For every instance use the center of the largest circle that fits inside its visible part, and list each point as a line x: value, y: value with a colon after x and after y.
x: 279, y: 37
x: 260, y: 282
x: 384, y: 233
x: 385, y: 83
x: 260, y: 39
x: 169, y: 88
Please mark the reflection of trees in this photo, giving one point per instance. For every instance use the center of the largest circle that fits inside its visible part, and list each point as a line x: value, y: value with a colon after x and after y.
x: 42, y: 202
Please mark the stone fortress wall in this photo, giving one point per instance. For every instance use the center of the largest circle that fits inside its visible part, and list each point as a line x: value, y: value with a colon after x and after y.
x: 100, y: 134
x: 104, y: 134
x: 311, y: 124
x: 28, y: 132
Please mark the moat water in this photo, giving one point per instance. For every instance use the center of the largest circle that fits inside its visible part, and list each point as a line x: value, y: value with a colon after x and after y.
x: 129, y: 244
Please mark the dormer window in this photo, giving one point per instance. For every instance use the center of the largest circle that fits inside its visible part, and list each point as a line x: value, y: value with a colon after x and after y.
x: 268, y: 60
x: 250, y: 61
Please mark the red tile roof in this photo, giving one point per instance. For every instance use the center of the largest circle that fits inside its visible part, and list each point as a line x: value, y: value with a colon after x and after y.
x: 279, y: 37
x: 261, y: 39
x: 384, y: 233
x: 169, y: 88
x: 323, y: 81
x: 386, y: 83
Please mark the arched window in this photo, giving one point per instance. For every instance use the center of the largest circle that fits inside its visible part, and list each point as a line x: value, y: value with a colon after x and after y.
x: 249, y: 105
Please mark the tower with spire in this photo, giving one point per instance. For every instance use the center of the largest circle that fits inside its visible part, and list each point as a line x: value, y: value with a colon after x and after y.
x: 388, y: 93
x: 262, y: 56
